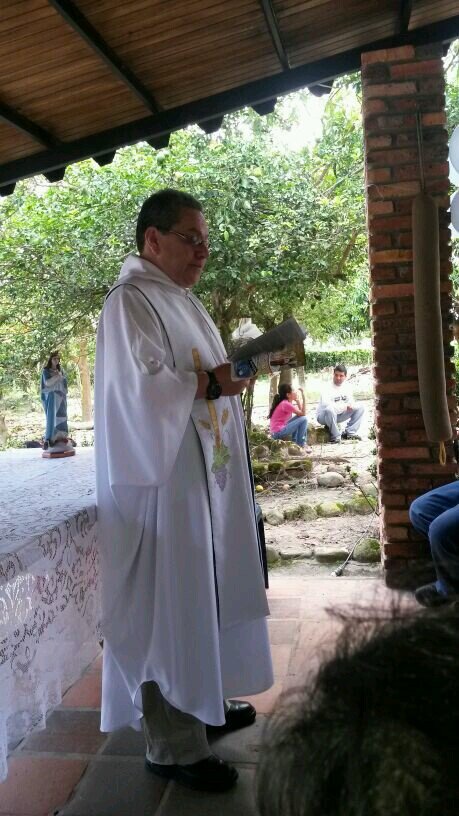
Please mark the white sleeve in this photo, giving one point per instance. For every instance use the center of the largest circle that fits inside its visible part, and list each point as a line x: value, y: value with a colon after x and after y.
x: 147, y: 403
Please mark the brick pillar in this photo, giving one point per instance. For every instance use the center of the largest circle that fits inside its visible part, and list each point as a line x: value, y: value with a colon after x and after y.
x: 396, y: 83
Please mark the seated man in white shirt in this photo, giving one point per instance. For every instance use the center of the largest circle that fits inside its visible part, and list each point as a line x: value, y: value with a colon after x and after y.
x: 337, y: 404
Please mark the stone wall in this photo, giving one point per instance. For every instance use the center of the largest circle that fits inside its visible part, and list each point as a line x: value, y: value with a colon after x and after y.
x: 397, y: 83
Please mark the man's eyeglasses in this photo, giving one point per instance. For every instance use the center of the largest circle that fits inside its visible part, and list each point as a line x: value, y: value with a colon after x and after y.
x: 194, y: 240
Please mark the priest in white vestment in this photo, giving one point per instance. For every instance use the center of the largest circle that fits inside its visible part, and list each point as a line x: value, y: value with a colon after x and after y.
x: 183, y: 599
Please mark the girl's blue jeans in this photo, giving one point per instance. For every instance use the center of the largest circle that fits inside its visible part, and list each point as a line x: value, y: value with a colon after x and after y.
x: 297, y: 428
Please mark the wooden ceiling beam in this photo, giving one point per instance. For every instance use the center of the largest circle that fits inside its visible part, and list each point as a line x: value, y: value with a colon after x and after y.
x: 274, y: 30
x: 73, y: 16
x: 11, y: 117
x: 404, y: 16
x: 155, y: 129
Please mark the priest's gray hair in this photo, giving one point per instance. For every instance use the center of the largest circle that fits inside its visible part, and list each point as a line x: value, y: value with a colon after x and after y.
x: 162, y: 210
x: 376, y: 731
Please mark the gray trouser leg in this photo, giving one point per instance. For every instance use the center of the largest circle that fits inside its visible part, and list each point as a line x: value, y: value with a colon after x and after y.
x: 173, y: 737
x: 355, y: 418
x: 327, y: 417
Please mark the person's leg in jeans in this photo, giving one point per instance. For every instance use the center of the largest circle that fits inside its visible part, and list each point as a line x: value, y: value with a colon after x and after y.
x: 327, y: 417
x: 298, y: 428
x: 354, y: 418
x: 436, y: 515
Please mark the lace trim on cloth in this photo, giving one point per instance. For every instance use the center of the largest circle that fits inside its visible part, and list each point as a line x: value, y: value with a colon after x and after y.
x: 49, y: 623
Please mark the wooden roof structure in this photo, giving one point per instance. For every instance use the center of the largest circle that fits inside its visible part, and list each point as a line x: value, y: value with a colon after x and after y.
x: 81, y: 78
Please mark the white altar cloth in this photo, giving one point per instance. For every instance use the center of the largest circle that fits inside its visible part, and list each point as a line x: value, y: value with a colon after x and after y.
x: 49, y: 585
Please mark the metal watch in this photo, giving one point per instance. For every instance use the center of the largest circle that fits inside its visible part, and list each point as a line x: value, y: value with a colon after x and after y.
x: 214, y: 389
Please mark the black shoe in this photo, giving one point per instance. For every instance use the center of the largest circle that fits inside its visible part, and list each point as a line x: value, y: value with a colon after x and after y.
x: 335, y: 441
x: 238, y: 715
x: 345, y: 435
x: 428, y: 595
x: 211, y: 774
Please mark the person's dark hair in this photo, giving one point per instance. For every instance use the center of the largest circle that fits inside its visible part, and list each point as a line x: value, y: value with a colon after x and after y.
x: 162, y: 210
x: 340, y: 367
x: 53, y: 354
x: 282, y: 392
x: 376, y: 732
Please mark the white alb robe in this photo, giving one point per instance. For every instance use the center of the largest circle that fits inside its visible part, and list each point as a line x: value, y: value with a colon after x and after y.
x: 183, y: 598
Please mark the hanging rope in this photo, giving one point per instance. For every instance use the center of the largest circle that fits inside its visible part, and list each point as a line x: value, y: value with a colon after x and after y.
x: 427, y: 312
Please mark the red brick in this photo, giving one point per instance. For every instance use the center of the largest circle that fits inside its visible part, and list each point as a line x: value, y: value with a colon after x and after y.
x: 395, y: 516
x: 380, y: 207
x: 392, y: 223
x: 437, y: 185
x: 385, y: 55
x: 397, y: 387
x: 392, y: 483
x: 382, y: 240
x: 393, y: 122
x: 385, y: 140
x: 391, y: 89
x: 389, y: 437
x: 409, y: 371
x: 406, y: 104
x: 391, y: 256
x: 404, y: 240
x: 396, y: 533
x: 398, y: 323
x: 427, y: 86
x: 375, y: 73
x: 392, y: 291
x: 385, y: 307
x: 411, y: 404
x: 431, y: 119
x: 395, y: 500
x: 389, y: 468
x: 373, y: 106
x: 389, y: 405
x: 404, y: 453
x: 399, y: 189
x: 435, y: 468
x: 384, y: 340
x: 410, y: 549
x: 378, y: 174
x: 402, y: 421
x: 429, y: 50
x: 388, y: 158
x: 406, y: 172
x: 412, y: 70
x: 396, y: 355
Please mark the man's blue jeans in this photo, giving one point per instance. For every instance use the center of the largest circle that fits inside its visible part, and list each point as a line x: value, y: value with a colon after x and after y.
x: 297, y: 428
x: 436, y: 514
x: 329, y: 418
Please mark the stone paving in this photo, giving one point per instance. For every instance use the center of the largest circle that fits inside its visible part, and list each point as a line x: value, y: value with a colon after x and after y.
x: 71, y: 769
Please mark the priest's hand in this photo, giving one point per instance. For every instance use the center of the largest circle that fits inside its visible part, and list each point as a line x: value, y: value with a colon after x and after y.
x: 230, y: 388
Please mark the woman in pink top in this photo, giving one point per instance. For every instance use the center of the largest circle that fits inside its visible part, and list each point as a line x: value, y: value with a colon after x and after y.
x: 281, y: 422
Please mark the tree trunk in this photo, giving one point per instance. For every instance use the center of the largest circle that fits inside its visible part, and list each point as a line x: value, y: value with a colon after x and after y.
x: 285, y: 375
x: 85, y: 380
x: 225, y: 334
x: 273, y: 383
x: 3, y: 430
x: 247, y: 404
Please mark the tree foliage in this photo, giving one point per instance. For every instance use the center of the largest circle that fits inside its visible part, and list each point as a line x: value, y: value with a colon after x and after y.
x: 284, y: 226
